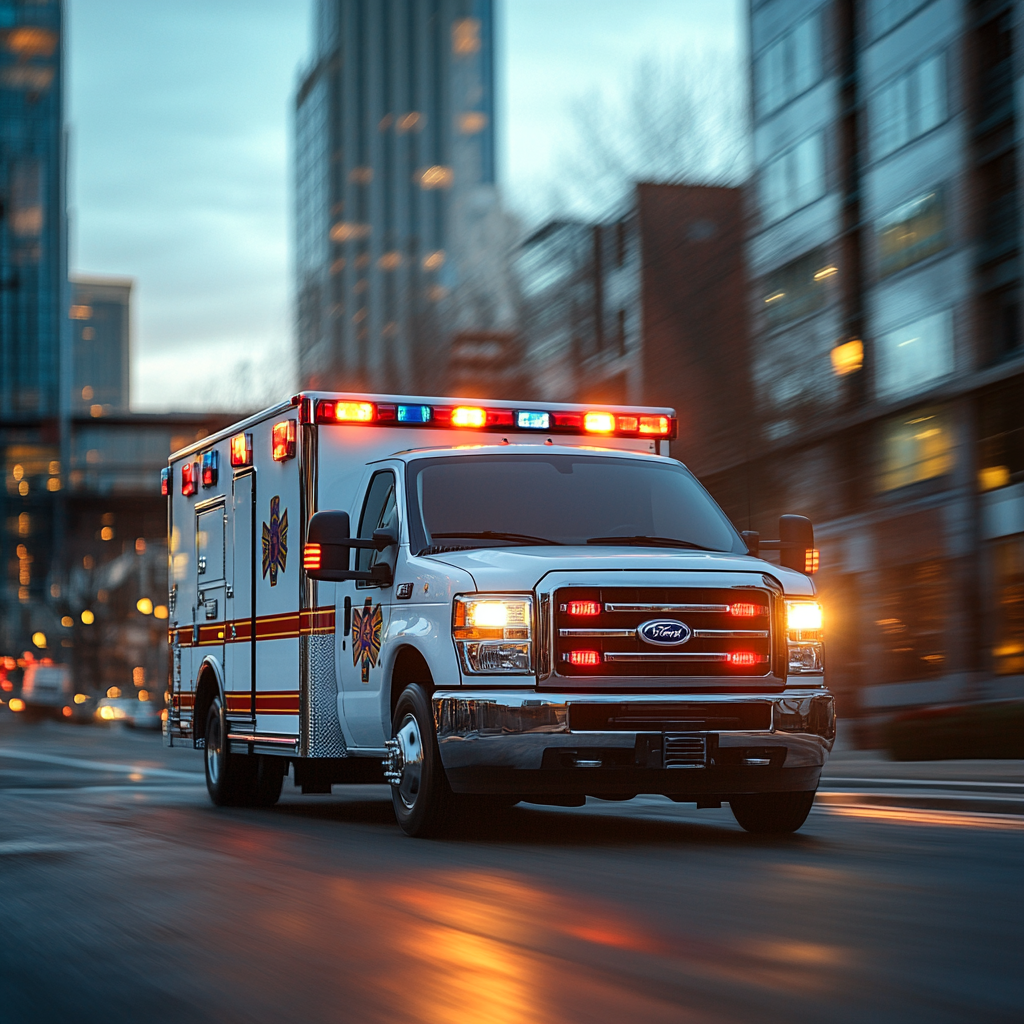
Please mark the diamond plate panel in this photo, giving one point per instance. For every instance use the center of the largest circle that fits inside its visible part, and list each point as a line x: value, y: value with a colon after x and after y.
x: 325, y: 738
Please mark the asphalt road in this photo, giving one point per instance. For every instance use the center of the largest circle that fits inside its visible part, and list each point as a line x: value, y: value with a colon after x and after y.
x: 125, y: 896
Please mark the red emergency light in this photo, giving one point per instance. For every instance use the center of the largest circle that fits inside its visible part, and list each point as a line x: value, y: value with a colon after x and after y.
x: 283, y: 440
x: 189, y: 478
x: 165, y: 481
x: 747, y: 611
x: 585, y: 659
x: 746, y: 658
x: 584, y: 608
x: 241, y: 450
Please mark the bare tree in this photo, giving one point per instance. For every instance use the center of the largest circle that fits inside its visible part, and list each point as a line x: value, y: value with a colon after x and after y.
x: 681, y: 118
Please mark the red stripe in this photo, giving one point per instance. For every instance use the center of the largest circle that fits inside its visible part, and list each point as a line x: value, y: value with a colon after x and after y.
x: 268, y: 627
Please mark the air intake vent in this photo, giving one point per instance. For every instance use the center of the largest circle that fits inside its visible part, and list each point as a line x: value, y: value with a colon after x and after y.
x: 684, y: 750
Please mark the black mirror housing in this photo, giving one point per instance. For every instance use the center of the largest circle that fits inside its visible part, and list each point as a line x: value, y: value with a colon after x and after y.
x: 329, y: 540
x: 797, y: 536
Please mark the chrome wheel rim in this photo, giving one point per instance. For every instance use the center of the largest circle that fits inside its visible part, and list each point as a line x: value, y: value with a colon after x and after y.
x: 410, y: 742
x: 213, y: 745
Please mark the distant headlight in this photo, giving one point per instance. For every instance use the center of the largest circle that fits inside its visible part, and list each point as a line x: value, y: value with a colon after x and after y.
x: 803, y: 615
x: 494, y: 634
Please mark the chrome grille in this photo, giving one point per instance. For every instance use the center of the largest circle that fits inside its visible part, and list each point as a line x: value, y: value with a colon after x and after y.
x: 684, y: 750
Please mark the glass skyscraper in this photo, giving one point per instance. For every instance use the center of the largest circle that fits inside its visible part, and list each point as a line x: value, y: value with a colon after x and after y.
x: 394, y: 164
x: 34, y: 330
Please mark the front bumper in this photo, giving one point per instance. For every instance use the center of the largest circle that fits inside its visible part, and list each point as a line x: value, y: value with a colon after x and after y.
x: 522, y: 742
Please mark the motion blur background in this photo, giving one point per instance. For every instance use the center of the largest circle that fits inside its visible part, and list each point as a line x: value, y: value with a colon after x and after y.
x: 796, y: 221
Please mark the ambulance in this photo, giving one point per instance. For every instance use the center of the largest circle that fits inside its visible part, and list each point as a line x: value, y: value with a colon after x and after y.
x: 482, y: 603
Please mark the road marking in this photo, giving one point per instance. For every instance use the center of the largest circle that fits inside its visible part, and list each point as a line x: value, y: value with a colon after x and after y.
x: 916, y: 816
x: 135, y: 772
x: 937, y: 783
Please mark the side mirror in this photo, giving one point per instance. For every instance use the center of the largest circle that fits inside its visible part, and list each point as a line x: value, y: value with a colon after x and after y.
x: 325, y: 555
x: 795, y: 544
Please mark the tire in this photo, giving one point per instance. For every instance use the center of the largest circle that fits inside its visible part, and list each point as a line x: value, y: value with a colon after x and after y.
x: 230, y: 777
x: 266, y: 781
x: 772, y: 813
x: 423, y: 801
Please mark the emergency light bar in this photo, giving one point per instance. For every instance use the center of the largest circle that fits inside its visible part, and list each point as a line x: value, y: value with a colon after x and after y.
x: 476, y: 417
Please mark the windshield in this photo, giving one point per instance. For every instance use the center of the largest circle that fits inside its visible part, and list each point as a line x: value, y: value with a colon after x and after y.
x: 472, y: 501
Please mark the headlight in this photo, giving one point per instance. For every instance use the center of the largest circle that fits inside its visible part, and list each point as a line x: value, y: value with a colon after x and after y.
x: 804, y: 634
x: 494, y: 634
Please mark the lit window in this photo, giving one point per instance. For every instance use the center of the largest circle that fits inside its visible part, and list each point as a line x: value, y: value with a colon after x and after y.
x: 914, y: 356
x: 797, y: 289
x: 466, y: 36
x: 848, y: 357
x: 472, y: 123
x: 914, y: 448
x: 436, y: 177
x: 912, y: 232
x: 1008, y: 591
x: 81, y: 313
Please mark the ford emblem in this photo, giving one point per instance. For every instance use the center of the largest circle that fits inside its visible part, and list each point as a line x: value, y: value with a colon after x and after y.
x: 664, y: 632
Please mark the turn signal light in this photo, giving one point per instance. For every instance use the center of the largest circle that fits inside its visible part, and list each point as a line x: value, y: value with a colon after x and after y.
x: 747, y: 611
x: 746, y: 658
x: 585, y: 659
x: 584, y: 608
x: 468, y: 416
x: 811, y: 559
x: 311, y: 557
x: 241, y: 450
x: 189, y: 478
x: 599, y: 422
x: 284, y: 440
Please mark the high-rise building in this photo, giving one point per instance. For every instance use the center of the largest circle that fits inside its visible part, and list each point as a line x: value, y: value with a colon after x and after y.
x: 34, y: 330
x: 888, y: 364
x: 33, y: 225
x: 394, y: 186
x: 101, y: 345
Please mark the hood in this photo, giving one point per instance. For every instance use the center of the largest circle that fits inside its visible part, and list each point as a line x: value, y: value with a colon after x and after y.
x: 522, y: 568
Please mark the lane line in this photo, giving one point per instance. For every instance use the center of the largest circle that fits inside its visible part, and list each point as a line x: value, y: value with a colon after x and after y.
x: 101, y: 766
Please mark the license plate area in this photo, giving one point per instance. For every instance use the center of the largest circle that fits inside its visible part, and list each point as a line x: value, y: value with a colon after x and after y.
x: 684, y: 750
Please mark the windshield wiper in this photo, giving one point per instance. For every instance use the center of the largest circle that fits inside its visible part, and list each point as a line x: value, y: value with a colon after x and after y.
x: 521, y: 538
x: 652, y: 542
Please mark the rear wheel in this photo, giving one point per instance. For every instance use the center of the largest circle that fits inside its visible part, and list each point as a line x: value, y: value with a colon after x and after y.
x: 772, y: 812
x: 423, y: 800
x: 238, y: 780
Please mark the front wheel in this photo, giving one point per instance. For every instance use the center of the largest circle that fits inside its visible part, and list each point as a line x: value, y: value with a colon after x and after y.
x: 423, y: 801
x: 768, y: 813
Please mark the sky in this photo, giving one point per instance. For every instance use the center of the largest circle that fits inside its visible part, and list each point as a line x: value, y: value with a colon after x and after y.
x: 180, y: 155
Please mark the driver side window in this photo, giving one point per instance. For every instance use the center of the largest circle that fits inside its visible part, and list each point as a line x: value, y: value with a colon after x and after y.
x: 380, y: 512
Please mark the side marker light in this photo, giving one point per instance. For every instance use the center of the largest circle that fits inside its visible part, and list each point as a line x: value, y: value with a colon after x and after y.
x: 283, y: 440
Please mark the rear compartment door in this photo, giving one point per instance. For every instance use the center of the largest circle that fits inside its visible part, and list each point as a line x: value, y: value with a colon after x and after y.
x: 239, y: 652
x: 211, y: 583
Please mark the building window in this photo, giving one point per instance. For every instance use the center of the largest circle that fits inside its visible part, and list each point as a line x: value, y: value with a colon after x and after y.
x: 912, y: 232
x: 1008, y: 591
x: 885, y: 14
x: 912, y: 626
x: 797, y: 289
x: 915, y: 355
x: 910, y: 105
x: 793, y: 179
x: 914, y: 448
x: 789, y: 66
x: 1001, y: 437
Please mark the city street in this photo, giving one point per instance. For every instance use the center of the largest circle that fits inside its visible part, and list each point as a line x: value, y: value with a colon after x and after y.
x: 128, y: 897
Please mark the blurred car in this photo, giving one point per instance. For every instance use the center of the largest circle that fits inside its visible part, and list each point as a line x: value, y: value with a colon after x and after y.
x: 46, y: 689
x: 139, y: 714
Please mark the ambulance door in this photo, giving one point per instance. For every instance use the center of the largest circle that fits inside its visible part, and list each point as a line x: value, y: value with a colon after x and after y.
x: 208, y: 632
x: 364, y: 610
x: 240, y: 651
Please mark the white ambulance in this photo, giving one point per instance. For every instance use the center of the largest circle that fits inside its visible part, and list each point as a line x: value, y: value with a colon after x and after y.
x: 484, y: 603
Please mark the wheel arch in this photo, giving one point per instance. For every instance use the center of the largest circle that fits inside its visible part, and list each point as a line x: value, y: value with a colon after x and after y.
x: 210, y: 684
x: 409, y: 666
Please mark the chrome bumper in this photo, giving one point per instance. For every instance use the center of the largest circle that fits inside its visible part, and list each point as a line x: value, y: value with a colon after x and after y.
x: 483, y: 732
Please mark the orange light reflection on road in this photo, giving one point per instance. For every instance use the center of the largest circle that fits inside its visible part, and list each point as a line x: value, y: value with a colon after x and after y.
x: 915, y: 816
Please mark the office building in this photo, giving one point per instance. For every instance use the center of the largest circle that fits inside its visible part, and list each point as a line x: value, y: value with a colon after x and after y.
x: 100, y: 344
x: 33, y: 302
x: 888, y: 368
x: 646, y: 307
x: 394, y: 189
